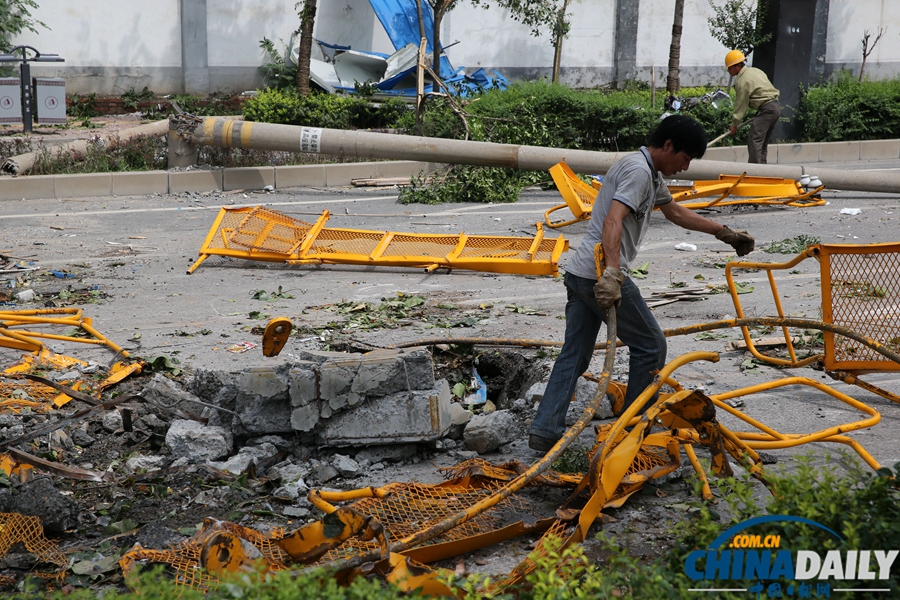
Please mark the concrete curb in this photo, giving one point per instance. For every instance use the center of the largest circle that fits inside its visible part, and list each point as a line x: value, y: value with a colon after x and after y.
x: 806, y: 154
x: 140, y: 183
x: 250, y: 178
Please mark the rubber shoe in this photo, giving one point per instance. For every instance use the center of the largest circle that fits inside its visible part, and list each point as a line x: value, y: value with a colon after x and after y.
x: 540, y: 443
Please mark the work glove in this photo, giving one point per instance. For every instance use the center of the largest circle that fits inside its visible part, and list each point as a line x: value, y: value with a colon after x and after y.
x: 608, y: 289
x: 740, y: 240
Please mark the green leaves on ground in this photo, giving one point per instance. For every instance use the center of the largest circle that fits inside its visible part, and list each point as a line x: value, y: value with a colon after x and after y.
x: 721, y: 288
x: 794, y: 245
x: 164, y: 364
x: 270, y: 296
x: 641, y: 272
x: 390, y: 313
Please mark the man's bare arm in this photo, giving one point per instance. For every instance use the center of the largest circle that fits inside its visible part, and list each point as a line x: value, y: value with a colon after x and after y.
x: 612, y: 233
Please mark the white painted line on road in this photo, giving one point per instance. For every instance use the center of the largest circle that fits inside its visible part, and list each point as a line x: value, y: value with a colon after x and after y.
x: 193, y: 208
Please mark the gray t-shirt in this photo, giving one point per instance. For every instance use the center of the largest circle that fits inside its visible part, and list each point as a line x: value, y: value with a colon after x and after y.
x: 635, y: 183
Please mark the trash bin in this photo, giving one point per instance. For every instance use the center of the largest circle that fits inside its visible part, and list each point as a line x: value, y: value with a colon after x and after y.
x: 50, y: 100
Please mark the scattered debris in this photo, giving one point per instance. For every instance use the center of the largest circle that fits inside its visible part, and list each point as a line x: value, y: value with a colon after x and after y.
x: 381, y: 182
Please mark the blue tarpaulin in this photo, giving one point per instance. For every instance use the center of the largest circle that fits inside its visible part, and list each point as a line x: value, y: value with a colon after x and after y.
x: 401, y: 22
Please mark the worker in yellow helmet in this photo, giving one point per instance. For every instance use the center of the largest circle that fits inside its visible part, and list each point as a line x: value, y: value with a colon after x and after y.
x: 753, y: 90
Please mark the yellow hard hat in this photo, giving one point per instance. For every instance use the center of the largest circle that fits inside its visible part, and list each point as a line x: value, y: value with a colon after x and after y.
x: 734, y: 57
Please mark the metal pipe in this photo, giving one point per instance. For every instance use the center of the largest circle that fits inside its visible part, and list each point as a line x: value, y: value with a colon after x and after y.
x: 226, y: 132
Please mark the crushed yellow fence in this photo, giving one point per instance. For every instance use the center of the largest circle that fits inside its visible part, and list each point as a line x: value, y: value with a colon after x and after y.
x: 860, y: 288
x: 257, y: 233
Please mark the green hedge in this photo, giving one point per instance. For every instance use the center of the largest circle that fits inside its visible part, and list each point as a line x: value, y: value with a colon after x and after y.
x: 331, y: 111
x: 541, y: 114
x: 546, y: 114
x: 850, y: 110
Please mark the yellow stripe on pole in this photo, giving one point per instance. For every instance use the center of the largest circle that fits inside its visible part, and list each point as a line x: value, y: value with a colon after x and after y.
x: 227, y: 126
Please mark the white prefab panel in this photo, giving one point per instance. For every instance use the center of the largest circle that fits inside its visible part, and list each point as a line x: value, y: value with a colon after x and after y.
x: 323, y: 75
x: 354, y: 67
x: 50, y: 100
x: 10, y: 100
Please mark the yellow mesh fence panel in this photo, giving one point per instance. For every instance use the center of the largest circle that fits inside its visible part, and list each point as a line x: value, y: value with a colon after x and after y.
x: 412, y: 245
x: 18, y: 395
x: 556, y: 531
x: 487, y: 247
x: 16, y: 528
x: 184, y: 559
x: 865, y: 296
x: 506, y: 472
x: 412, y: 507
x: 263, y: 234
x: 331, y: 242
x: 266, y: 230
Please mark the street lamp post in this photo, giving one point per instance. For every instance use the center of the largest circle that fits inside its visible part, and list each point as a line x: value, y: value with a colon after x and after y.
x: 25, y: 77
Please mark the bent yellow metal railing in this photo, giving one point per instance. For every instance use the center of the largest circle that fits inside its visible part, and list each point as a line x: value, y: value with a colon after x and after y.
x: 257, y: 233
x: 728, y: 190
x: 860, y: 287
x: 30, y: 339
x: 578, y: 195
x: 746, y: 190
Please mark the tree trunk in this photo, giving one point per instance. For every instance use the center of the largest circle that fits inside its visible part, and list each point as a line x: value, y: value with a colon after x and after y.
x: 672, y: 81
x: 307, y: 21
x: 558, y: 41
x: 420, y: 73
x: 439, y: 11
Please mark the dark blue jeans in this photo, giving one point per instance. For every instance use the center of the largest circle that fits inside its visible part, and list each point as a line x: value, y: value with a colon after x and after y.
x: 636, y: 327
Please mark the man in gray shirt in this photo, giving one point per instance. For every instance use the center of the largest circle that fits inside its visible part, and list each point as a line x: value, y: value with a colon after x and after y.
x: 619, y: 221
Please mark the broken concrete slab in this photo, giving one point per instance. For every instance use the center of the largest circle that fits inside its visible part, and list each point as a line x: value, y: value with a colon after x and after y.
x: 198, y: 442
x: 165, y: 392
x: 246, y: 456
x: 584, y: 393
x: 414, y: 416
x: 292, y: 491
x: 459, y: 417
x: 487, y: 432
x: 39, y: 498
x: 346, y: 466
x: 323, y: 471
x: 262, y: 402
x: 112, y: 420
x: 144, y: 463
x: 381, y: 454
x: 288, y: 471
x: 306, y: 395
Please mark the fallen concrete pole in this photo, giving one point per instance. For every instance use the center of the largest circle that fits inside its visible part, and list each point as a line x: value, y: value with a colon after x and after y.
x: 231, y: 133
x: 16, y: 165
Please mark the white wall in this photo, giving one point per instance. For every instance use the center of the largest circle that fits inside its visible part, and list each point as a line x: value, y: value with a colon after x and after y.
x: 847, y: 22
x: 702, y: 56
x: 104, y: 33
x: 235, y: 28
x: 112, y: 45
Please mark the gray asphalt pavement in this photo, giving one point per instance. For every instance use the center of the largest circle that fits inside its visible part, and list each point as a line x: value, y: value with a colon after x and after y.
x: 136, y: 251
